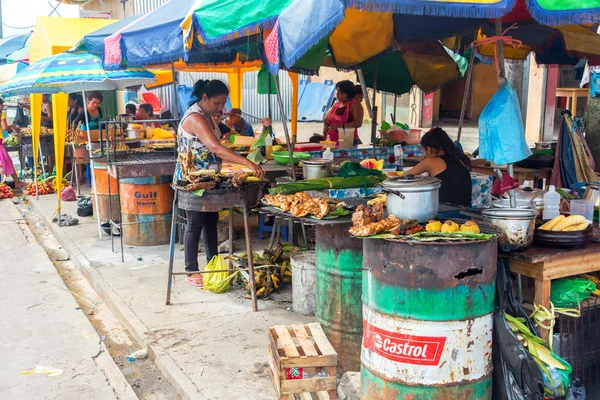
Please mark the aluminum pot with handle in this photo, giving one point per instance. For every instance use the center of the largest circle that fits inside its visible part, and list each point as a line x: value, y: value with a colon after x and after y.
x: 317, y: 168
x: 517, y: 226
x: 413, y: 197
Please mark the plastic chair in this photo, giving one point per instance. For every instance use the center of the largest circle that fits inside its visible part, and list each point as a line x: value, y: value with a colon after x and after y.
x: 150, y: 98
x: 267, y: 226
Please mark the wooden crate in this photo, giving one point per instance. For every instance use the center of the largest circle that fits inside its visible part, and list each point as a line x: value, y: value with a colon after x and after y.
x: 306, y: 347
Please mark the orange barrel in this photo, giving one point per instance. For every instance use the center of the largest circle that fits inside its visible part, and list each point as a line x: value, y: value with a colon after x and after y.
x: 104, y: 199
x: 146, y: 206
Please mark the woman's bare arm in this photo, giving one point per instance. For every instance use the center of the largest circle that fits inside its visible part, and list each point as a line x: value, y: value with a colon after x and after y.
x: 359, y: 114
x: 199, y: 126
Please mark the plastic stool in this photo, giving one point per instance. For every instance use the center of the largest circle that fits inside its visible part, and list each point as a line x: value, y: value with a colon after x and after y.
x: 265, y: 227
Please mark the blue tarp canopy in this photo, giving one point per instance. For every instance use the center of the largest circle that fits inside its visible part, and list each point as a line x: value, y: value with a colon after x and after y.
x: 11, y: 44
x: 154, y: 38
x: 94, y: 42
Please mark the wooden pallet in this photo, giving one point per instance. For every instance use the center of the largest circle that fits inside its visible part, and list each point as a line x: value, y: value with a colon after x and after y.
x: 305, y: 347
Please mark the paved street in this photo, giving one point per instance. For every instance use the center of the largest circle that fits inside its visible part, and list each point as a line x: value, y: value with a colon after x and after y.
x: 41, y: 323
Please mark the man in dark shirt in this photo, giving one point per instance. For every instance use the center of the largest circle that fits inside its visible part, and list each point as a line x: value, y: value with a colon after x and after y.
x: 239, y: 124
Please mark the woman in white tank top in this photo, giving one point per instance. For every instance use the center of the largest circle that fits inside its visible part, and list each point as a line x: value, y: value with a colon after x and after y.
x: 198, y: 133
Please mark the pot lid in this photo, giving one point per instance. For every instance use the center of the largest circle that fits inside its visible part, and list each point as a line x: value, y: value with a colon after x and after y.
x: 510, y: 213
x: 412, y: 183
x: 317, y: 161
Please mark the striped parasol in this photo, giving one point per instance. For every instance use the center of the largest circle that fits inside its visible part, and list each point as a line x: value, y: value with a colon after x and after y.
x: 72, y: 72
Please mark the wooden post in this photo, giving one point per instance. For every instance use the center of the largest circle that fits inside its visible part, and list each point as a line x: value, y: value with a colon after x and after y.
x: 463, y: 108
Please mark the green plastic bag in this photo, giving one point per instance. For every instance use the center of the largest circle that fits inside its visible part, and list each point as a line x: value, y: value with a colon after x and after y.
x: 217, y: 282
x: 570, y: 292
x: 263, y: 81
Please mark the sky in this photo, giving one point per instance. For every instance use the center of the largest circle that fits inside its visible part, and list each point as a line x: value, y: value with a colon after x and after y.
x: 22, y: 14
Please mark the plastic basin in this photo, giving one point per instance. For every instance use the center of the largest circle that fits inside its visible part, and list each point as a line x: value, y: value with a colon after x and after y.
x: 283, y: 157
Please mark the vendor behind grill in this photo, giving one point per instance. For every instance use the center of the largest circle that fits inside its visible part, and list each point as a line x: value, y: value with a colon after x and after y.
x: 449, y: 164
x: 199, y: 134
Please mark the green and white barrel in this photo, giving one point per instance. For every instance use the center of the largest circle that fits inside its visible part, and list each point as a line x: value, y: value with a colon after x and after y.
x: 427, y: 312
x: 339, y: 291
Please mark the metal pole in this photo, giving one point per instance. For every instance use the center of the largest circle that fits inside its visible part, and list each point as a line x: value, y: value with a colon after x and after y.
x: 250, y: 261
x: 175, y: 97
x: 363, y: 86
x: 466, y: 94
x: 269, y: 96
x: 1, y: 25
x: 171, y: 247
x: 500, y: 49
x: 395, y: 106
x: 285, y: 130
x: 502, y: 74
x: 89, y: 146
x: 374, y: 117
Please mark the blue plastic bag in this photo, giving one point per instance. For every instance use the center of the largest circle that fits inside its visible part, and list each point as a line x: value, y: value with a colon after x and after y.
x: 501, y: 131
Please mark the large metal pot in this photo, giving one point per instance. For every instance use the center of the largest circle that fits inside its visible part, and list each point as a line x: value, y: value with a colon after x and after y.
x: 517, y: 226
x: 413, y: 197
x: 317, y: 168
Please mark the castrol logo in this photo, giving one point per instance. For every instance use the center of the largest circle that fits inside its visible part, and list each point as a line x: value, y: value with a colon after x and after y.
x: 408, y: 349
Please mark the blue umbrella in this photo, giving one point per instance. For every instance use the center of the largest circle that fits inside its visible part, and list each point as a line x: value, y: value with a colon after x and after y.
x: 11, y: 44
x: 94, y: 42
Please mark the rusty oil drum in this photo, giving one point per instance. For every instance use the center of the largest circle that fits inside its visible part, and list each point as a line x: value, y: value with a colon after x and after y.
x: 102, y: 180
x: 146, y: 206
x: 339, y: 259
x: 428, y: 311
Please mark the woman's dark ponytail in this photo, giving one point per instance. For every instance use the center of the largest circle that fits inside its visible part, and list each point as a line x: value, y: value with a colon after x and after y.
x: 209, y: 88
x: 438, y: 139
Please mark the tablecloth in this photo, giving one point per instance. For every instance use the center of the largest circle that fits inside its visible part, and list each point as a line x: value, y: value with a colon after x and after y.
x: 364, y: 152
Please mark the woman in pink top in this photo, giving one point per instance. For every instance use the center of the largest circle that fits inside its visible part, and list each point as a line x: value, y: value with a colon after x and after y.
x: 7, y: 166
x: 346, y: 113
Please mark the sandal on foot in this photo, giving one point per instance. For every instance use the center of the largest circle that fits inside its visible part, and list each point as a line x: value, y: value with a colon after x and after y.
x: 198, y: 282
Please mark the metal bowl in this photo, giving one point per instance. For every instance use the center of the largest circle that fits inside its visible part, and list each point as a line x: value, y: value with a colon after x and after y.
x: 517, y: 226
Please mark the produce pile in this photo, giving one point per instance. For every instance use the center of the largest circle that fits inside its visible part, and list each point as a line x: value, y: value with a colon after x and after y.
x: 370, y: 222
x: 47, y: 186
x: 302, y: 205
x: 565, y: 224
x: 43, y: 131
x: 6, y: 192
x: 555, y: 370
x: 271, y: 269
x: 335, y: 182
x: 207, y: 179
x: 11, y: 141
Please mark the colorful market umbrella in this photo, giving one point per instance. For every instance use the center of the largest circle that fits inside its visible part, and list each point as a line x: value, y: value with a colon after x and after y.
x: 156, y: 38
x: 426, y: 65
x: 11, y: 44
x: 93, y: 42
x: 21, y: 55
x: 67, y: 72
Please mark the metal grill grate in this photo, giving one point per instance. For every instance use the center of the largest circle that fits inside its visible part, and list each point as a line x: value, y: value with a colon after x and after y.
x: 577, y: 340
x: 144, y: 159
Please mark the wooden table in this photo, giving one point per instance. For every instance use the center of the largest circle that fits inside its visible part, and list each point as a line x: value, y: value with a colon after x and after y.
x: 572, y: 95
x: 546, y: 264
x: 521, y: 174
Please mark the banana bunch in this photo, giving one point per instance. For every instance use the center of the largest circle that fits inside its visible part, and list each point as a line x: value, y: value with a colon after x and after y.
x: 285, y: 271
x: 381, y: 198
x: 266, y: 281
x: 562, y: 223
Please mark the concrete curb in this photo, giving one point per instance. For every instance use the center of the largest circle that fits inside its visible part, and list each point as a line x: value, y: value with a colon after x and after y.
x: 182, y: 384
x: 104, y: 361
